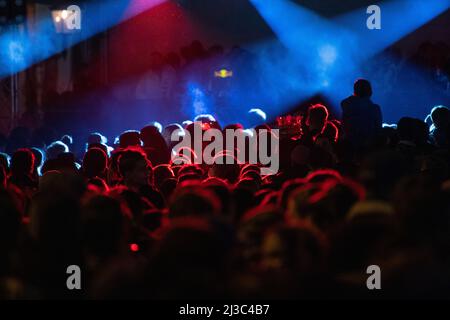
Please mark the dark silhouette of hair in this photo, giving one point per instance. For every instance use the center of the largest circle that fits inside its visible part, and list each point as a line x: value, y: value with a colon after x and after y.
x: 193, y: 201
x: 22, y: 162
x: 440, y: 116
x: 96, y: 138
x: 362, y: 88
x: 129, y: 158
x: 154, y: 145
x: 55, y: 149
x: 130, y: 138
x: 161, y: 173
x: 67, y: 140
x: 94, y: 163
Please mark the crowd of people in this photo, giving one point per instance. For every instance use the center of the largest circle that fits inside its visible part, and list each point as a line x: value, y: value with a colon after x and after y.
x: 350, y: 193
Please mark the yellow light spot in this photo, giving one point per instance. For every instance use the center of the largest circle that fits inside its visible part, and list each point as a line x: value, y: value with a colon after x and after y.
x: 224, y: 73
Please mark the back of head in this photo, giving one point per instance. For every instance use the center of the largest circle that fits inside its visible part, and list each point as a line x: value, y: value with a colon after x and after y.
x: 256, y: 116
x: 96, y: 138
x: 102, y: 146
x: 440, y: 116
x: 204, y: 118
x: 94, y: 163
x: 169, y: 129
x: 226, y: 168
x: 22, y: 162
x: 151, y: 137
x: 68, y: 140
x: 55, y: 149
x: 161, y: 173
x: 317, y: 115
x: 134, y: 168
x: 193, y: 201
x: 130, y: 138
x: 362, y: 88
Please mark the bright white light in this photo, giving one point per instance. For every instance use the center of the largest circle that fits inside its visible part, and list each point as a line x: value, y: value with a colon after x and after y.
x: 64, y: 14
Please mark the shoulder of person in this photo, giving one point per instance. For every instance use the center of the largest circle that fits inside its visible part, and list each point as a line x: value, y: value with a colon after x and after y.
x: 347, y: 101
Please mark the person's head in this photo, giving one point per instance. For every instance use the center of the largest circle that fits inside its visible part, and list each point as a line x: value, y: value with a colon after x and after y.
x: 94, y: 163
x: 221, y: 190
x: 130, y: 138
x: 55, y: 149
x: 152, y: 219
x: 98, y: 183
x: 161, y: 173
x: 256, y: 117
x: 104, y: 147
x: 226, y: 168
x: 300, y: 249
x: 151, y: 135
x: 193, y: 201
x: 251, y: 229
x: 204, y: 118
x: 249, y: 167
x: 96, y: 137
x: 67, y: 140
x: 172, y: 129
x: 440, y: 116
x: 167, y: 188
x: 317, y: 116
x: 331, y: 132
x: 323, y: 175
x: 22, y: 162
x: 362, y: 88
x: 134, y: 168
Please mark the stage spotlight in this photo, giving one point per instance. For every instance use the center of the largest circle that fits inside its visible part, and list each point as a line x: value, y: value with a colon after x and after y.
x: 224, y: 73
